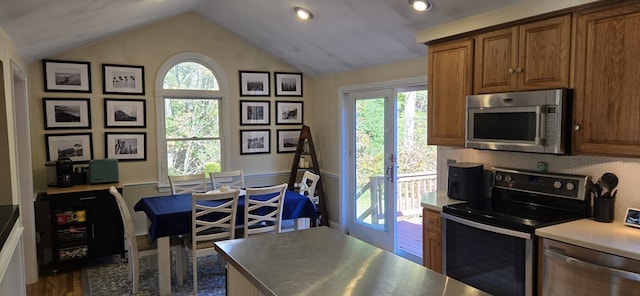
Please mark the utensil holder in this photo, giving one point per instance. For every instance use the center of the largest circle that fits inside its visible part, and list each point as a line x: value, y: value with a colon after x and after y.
x: 603, y: 209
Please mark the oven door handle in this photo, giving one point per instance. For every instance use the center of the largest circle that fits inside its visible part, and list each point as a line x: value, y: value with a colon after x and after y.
x: 619, y: 273
x: 486, y: 227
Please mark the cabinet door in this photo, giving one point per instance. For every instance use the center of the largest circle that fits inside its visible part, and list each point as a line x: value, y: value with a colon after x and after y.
x: 108, y: 232
x: 450, y: 81
x: 496, y: 61
x: 544, y: 54
x: 607, y: 97
x: 431, y: 240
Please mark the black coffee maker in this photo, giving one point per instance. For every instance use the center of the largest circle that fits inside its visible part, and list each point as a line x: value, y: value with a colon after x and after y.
x: 64, y: 172
x: 466, y: 181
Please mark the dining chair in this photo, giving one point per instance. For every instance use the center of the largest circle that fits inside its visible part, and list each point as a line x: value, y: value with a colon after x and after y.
x: 263, y: 209
x: 138, y: 246
x: 232, y: 179
x: 308, y: 185
x: 188, y: 183
x: 213, y: 218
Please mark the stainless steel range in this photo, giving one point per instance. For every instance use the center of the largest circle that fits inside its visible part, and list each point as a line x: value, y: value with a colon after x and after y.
x: 490, y: 243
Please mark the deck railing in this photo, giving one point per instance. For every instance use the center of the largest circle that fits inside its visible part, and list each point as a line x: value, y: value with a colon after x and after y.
x: 408, y: 200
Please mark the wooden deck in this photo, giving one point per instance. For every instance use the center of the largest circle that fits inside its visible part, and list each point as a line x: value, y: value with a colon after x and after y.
x: 409, y: 234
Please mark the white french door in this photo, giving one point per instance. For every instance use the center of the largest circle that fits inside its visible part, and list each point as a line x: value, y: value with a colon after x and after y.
x: 371, y: 205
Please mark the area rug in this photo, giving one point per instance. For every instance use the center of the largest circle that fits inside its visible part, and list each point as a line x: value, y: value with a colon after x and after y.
x: 109, y: 278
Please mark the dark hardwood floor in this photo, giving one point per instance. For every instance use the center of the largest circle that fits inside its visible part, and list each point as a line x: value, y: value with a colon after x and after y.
x: 68, y: 283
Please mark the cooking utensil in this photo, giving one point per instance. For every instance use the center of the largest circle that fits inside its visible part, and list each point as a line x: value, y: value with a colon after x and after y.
x: 609, y: 181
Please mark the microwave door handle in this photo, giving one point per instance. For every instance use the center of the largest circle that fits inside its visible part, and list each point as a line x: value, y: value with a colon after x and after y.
x: 541, y: 127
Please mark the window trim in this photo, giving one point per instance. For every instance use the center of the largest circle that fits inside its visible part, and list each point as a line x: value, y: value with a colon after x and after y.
x: 160, y: 94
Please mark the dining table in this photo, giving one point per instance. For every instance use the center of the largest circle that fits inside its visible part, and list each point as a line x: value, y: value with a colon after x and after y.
x: 170, y: 215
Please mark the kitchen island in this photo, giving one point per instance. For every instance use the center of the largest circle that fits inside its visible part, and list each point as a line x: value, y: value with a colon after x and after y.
x: 323, y: 261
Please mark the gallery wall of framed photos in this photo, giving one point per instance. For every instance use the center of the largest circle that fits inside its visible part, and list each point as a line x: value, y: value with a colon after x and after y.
x: 67, y: 111
x: 258, y: 112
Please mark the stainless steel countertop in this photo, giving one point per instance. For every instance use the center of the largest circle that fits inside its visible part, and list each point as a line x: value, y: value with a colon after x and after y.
x: 323, y: 261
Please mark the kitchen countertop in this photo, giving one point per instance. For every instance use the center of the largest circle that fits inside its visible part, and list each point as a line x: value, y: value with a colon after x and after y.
x: 436, y: 200
x: 324, y: 261
x: 8, y: 217
x: 614, y: 238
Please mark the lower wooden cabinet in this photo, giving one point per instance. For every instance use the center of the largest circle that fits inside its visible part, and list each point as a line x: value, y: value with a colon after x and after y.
x: 431, y: 240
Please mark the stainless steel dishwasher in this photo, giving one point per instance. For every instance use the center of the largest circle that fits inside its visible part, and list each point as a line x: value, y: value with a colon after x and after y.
x: 572, y: 270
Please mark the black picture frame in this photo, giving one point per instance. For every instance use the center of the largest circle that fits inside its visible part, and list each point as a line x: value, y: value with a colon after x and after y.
x: 255, y: 112
x: 125, y: 146
x: 122, y: 79
x: 60, y: 113
x: 255, y: 142
x: 66, y: 76
x: 288, y: 140
x: 254, y: 84
x: 72, y: 145
x: 289, y: 112
x: 125, y: 113
x: 288, y: 84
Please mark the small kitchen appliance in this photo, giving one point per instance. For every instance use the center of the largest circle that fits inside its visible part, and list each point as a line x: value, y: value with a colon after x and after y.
x: 466, y: 181
x: 491, y: 244
x: 527, y: 121
x: 60, y: 172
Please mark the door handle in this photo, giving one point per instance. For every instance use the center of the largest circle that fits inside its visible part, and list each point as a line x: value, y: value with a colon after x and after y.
x: 390, y: 173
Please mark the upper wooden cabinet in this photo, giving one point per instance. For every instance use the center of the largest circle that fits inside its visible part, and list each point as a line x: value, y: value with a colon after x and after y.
x: 607, y: 96
x: 526, y: 57
x: 450, y: 81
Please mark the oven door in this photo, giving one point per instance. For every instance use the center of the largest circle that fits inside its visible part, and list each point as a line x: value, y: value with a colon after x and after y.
x: 496, y: 260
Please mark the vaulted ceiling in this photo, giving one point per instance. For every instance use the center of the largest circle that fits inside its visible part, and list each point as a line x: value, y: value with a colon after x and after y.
x: 343, y: 35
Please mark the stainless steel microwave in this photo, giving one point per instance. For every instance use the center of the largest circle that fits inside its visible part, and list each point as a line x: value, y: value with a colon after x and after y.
x: 528, y: 121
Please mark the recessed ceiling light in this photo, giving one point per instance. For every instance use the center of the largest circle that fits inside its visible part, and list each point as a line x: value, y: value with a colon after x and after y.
x: 421, y: 5
x: 303, y: 13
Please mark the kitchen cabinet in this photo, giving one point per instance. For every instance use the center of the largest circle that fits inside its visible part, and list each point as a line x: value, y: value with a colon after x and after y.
x: 83, y: 223
x: 606, y: 95
x: 526, y: 57
x: 450, y: 67
x: 431, y: 240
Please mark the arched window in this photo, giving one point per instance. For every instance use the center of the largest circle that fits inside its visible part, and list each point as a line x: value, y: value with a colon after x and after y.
x: 189, y: 104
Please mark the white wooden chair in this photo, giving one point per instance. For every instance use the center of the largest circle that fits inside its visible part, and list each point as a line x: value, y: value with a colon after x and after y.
x: 232, y: 179
x: 188, y: 183
x: 138, y: 246
x: 262, y: 216
x: 210, y: 223
x: 308, y: 185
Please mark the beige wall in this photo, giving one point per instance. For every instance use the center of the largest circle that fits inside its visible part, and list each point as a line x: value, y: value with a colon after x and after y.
x: 150, y: 46
x: 8, y: 173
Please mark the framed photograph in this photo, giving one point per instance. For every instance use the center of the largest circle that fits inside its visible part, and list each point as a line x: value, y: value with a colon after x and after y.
x: 254, y: 84
x: 122, y: 79
x: 288, y: 84
x: 125, y: 146
x: 255, y: 113
x: 288, y: 140
x: 125, y: 113
x: 66, y: 113
x: 67, y: 76
x: 255, y: 142
x: 78, y: 147
x: 288, y: 112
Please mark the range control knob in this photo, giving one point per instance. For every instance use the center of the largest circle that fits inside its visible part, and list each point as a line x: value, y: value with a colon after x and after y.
x: 570, y: 186
x: 508, y: 178
x: 498, y: 177
x: 557, y: 184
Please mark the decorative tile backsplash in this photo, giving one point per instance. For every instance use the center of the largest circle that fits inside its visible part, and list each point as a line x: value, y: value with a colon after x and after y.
x: 627, y: 169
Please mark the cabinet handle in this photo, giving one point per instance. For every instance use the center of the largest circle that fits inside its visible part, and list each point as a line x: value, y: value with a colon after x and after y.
x: 519, y: 70
x: 93, y: 233
x: 511, y: 70
x: 577, y: 127
x: 88, y: 198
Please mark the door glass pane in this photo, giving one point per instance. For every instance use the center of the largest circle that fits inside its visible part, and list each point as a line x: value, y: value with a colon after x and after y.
x: 369, y: 162
x: 416, y: 168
